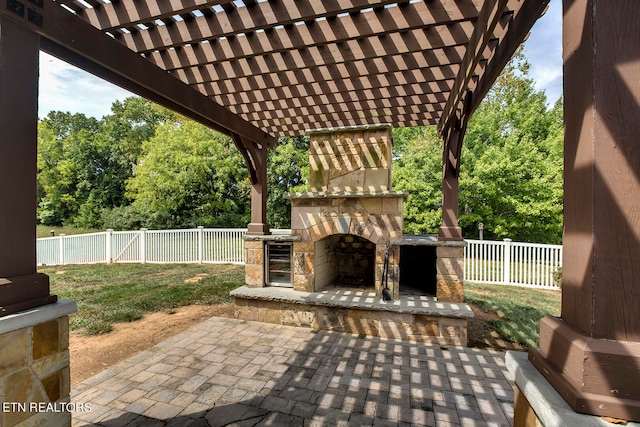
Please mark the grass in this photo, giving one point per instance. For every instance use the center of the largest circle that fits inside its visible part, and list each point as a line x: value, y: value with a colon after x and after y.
x: 112, y: 293
x: 45, y: 230
x: 519, y: 309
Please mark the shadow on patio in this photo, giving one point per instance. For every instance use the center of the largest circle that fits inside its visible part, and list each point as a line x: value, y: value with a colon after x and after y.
x: 232, y: 372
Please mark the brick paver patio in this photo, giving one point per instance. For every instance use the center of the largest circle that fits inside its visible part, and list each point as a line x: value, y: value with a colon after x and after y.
x: 232, y: 372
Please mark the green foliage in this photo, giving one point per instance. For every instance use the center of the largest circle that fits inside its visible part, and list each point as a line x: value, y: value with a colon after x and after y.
x: 108, y: 294
x: 511, y: 172
x: 190, y: 175
x: 288, y: 171
x: 83, y: 163
x: 45, y: 231
x: 146, y: 166
x: 417, y: 170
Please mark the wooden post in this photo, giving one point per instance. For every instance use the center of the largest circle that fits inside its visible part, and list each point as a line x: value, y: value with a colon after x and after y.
x: 452, y: 147
x: 591, y: 355
x: 21, y: 287
x: 255, y: 156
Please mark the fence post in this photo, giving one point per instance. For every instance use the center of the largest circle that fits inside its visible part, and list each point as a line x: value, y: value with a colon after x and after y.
x: 108, y: 245
x: 61, y: 248
x: 143, y: 245
x: 200, y: 243
x: 506, y: 259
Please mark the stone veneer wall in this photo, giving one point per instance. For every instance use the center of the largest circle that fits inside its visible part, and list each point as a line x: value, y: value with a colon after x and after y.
x: 254, y: 262
x: 34, y: 367
x: 450, y: 273
x: 376, y: 218
x: 323, y: 265
x: 350, y: 159
x: 446, y: 330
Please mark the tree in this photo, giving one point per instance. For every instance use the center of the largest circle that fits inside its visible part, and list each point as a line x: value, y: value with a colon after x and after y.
x: 417, y: 169
x: 83, y: 163
x: 190, y: 175
x: 511, y: 166
x: 288, y: 170
x: 60, y: 162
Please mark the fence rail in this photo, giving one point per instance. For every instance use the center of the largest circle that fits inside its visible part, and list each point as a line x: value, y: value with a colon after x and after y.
x: 505, y: 262
x: 198, y: 245
x: 512, y: 263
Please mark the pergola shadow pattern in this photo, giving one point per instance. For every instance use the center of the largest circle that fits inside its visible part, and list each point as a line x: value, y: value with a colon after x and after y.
x: 231, y: 372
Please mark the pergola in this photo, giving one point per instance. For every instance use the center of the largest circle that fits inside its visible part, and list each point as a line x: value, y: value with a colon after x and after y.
x: 257, y: 70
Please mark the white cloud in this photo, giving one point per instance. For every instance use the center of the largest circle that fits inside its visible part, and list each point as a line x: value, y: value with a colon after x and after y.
x: 543, y: 49
x: 64, y: 87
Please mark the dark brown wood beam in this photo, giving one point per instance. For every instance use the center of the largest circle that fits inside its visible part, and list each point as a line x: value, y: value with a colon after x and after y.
x: 231, y: 20
x: 303, y: 96
x: 360, y: 53
x: 291, y: 124
x: 326, y: 74
x: 128, y: 13
x: 105, y: 57
x: 21, y: 286
x: 591, y: 355
x: 255, y: 157
x: 312, y: 32
x: 490, y: 15
x: 519, y: 27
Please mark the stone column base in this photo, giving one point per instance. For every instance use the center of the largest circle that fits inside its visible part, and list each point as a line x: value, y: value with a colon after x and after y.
x: 450, y: 273
x: 34, y: 366
x: 594, y: 376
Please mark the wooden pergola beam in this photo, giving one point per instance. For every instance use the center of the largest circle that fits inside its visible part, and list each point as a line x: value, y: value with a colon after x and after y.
x: 519, y: 27
x: 71, y: 38
x: 413, y: 94
x: 490, y: 15
x: 128, y: 13
x: 345, y: 26
x: 292, y: 125
x: 353, y: 54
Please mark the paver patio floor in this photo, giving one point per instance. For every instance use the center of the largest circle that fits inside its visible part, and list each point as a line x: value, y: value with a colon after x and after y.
x: 232, y: 372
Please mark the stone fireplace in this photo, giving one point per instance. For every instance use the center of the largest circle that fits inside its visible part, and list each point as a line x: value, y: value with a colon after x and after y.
x: 327, y: 272
x: 344, y: 226
x: 347, y: 220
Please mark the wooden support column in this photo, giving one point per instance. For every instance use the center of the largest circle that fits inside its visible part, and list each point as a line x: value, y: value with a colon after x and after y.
x: 452, y: 147
x: 591, y: 355
x: 21, y: 287
x: 255, y: 156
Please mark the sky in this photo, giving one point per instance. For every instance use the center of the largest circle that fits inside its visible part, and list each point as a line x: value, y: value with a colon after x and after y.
x: 66, y: 88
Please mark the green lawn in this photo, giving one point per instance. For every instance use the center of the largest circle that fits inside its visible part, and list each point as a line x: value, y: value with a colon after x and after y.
x: 45, y: 230
x: 519, y: 309
x: 111, y: 293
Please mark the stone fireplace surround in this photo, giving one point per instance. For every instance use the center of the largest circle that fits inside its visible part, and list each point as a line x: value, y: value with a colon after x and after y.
x: 351, y: 204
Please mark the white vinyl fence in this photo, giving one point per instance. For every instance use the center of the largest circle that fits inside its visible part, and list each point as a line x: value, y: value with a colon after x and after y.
x: 506, y: 262
x: 512, y: 263
x: 198, y: 245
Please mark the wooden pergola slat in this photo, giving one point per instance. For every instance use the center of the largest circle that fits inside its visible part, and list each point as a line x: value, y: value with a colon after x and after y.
x: 285, y: 55
x: 313, y: 32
